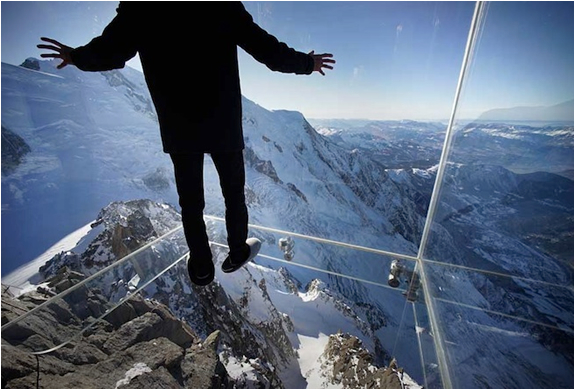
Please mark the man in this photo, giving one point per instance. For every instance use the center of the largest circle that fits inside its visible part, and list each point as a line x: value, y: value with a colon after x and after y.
x: 188, y: 52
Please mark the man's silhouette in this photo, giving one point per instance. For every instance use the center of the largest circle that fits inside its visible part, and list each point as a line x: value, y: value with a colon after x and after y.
x: 188, y: 52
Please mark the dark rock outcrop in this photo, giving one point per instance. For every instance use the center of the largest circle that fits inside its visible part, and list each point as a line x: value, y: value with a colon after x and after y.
x: 157, y: 180
x: 31, y: 63
x: 263, y: 166
x: 14, y: 148
x: 152, y: 350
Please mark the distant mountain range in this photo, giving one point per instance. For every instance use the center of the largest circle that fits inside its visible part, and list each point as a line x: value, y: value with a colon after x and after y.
x: 562, y: 112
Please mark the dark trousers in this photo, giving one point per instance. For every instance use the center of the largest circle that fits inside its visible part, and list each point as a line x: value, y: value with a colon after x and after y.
x: 189, y: 172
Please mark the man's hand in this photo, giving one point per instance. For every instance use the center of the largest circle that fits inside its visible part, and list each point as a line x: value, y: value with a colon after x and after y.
x: 62, y: 52
x: 321, y: 61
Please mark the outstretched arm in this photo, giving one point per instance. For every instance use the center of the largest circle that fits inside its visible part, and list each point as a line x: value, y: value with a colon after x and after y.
x: 61, y: 51
x: 111, y: 50
x: 321, y: 61
x: 276, y: 55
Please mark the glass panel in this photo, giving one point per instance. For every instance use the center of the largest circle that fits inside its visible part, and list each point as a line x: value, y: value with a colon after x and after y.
x: 486, y: 350
x: 538, y: 303
x: 356, y: 281
x: 540, y: 314
x: 499, y: 256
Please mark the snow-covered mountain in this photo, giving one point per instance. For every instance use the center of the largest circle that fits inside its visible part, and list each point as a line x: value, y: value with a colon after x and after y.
x: 93, y: 140
x: 503, y: 210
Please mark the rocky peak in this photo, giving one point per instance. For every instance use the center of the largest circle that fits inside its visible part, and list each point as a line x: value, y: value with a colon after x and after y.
x: 63, y: 280
x: 162, y: 217
x: 315, y: 288
x: 31, y: 63
x: 347, y: 363
x: 14, y: 148
x: 126, y: 226
x: 253, y: 342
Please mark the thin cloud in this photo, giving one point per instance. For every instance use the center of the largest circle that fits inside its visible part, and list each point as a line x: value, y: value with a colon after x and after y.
x: 398, y: 30
x: 436, y: 22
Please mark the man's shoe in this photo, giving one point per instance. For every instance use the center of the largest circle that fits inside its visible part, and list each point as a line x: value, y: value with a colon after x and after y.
x: 253, y: 246
x: 201, y: 272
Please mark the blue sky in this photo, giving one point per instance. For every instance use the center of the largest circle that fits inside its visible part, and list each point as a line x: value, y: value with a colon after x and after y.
x: 395, y: 60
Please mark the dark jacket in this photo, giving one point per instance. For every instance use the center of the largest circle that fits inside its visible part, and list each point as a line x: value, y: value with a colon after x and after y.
x: 188, y: 52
